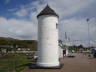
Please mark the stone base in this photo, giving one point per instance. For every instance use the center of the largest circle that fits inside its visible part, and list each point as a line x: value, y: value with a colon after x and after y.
x: 34, y: 66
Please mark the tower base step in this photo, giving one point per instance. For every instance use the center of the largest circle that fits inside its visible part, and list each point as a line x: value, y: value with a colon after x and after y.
x: 34, y: 66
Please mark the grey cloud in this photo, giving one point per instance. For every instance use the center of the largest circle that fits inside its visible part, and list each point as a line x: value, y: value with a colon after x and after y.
x: 18, y: 28
x: 77, y: 29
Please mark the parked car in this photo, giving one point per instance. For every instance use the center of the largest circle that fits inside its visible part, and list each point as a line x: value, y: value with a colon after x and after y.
x: 35, y: 56
x: 70, y: 54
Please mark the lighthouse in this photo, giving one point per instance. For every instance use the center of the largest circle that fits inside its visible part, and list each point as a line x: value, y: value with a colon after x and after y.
x: 48, y: 51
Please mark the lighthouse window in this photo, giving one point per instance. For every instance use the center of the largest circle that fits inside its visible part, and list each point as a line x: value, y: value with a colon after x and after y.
x: 56, y: 25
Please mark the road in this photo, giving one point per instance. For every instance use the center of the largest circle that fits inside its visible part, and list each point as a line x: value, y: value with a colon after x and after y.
x: 79, y: 63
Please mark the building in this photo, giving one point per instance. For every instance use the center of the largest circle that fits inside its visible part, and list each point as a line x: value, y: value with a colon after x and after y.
x: 48, y: 49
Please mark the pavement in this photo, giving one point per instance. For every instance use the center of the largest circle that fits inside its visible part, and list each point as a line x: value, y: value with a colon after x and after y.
x: 79, y: 63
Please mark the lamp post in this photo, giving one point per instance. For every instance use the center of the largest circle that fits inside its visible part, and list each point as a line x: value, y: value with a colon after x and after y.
x: 88, y: 32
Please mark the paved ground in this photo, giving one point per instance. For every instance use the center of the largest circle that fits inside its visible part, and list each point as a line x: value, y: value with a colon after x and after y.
x: 80, y: 63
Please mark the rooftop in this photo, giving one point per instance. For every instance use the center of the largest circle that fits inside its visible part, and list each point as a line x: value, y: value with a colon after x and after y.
x: 47, y: 11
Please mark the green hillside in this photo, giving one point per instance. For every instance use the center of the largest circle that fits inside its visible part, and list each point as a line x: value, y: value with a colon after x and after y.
x: 16, y: 43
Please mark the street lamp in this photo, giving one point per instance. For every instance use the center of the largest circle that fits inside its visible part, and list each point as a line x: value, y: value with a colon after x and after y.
x: 88, y: 31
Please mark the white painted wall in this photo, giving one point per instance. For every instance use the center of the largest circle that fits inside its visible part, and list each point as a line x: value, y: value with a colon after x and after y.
x: 48, y: 51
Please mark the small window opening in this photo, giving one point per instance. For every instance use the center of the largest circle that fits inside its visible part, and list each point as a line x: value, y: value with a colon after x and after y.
x: 56, y: 25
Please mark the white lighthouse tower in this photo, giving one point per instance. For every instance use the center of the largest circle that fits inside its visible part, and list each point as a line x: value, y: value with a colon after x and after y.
x: 48, y: 52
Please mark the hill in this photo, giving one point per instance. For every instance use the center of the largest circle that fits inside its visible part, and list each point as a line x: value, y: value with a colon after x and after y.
x: 16, y: 43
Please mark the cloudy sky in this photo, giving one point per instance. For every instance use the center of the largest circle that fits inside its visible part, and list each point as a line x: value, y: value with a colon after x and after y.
x: 18, y: 19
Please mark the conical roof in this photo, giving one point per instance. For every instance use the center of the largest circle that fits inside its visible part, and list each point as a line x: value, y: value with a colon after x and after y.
x: 47, y: 11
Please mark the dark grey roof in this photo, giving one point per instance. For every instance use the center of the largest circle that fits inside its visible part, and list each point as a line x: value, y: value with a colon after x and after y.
x: 47, y: 11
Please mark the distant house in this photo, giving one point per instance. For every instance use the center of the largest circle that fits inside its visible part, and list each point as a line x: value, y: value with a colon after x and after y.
x: 23, y: 50
x: 15, y: 45
x: 5, y: 48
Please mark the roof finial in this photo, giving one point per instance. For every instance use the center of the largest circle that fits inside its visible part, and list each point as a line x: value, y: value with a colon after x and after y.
x: 47, y: 5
